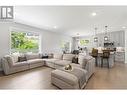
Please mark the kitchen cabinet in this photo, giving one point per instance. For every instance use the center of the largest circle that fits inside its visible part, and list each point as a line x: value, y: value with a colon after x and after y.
x: 116, y: 37
x: 119, y: 39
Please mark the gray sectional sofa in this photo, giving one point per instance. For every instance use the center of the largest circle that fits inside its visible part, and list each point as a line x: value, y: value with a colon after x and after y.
x: 60, y: 60
x: 61, y: 78
x: 11, y: 65
x: 76, y: 78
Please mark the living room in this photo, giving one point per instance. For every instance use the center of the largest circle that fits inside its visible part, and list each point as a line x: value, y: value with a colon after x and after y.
x: 57, y: 32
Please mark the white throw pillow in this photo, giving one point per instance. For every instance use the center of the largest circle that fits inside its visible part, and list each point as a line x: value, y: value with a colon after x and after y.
x: 15, y: 57
x: 81, y: 59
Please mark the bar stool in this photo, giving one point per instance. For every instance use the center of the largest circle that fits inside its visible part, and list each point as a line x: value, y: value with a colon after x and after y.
x: 105, y: 55
x: 95, y: 55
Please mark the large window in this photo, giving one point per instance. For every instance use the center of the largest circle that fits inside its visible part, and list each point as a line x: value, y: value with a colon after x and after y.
x: 23, y: 42
x: 65, y: 46
x: 83, y: 42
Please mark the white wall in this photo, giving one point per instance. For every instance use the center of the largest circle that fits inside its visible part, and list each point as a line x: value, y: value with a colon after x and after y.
x: 50, y: 43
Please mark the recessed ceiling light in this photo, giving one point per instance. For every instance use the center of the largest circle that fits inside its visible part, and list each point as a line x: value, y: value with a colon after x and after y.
x: 94, y: 14
x: 123, y: 27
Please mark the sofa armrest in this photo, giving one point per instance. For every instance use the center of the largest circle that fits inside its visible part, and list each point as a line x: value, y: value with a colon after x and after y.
x: 87, y: 63
x: 90, y: 66
x: 5, y: 66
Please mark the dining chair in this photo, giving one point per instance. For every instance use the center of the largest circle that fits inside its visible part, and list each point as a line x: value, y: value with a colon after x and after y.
x: 105, y: 55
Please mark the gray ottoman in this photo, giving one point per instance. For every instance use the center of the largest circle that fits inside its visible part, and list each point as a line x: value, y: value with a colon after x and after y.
x: 75, y: 79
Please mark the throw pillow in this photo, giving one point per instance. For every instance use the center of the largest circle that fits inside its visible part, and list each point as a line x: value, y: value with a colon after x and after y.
x: 21, y: 59
x: 15, y: 57
x: 75, y: 60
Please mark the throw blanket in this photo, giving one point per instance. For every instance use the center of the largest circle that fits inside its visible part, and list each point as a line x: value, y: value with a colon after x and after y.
x: 79, y: 73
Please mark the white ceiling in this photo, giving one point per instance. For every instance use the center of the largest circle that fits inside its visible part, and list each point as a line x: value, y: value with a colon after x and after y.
x: 71, y: 20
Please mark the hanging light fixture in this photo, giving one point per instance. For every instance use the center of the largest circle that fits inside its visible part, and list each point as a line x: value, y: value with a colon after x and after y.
x: 77, y: 38
x: 106, y: 37
x: 95, y: 38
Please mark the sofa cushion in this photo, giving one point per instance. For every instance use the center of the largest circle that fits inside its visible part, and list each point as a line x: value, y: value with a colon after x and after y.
x: 76, y: 65
x: 51, y: 60
x: 24, y: 63
x: 62, y: 62
x: 58, y: 56
x: 68, y: 57
x: 32, y: 56
x: 34, y: 61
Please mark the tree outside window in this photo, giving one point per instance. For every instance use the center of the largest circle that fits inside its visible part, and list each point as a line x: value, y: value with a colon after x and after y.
x: 83, y: 42
x: 24, y: 42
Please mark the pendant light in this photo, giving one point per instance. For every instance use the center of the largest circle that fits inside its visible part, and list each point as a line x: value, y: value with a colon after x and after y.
x: 77, y: 38
x: 106, y: 37
x: 95, y: 38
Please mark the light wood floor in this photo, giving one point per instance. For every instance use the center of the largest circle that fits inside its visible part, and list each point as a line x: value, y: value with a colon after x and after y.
x: 39, y: 78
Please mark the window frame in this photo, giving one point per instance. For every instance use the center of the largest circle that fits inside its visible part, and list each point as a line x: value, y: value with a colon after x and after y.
x: 25, y: 31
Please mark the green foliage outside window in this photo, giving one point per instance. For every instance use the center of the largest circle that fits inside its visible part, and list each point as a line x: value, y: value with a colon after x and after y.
x: 23, y: 42
x: 84, y: 42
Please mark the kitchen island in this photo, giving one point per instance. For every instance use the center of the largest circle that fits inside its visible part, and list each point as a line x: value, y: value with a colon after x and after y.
x: 111, y: 59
